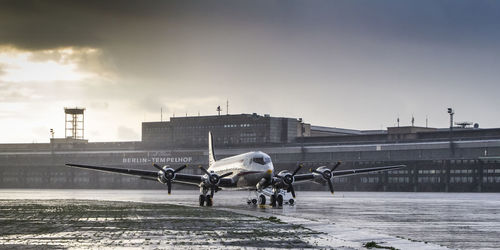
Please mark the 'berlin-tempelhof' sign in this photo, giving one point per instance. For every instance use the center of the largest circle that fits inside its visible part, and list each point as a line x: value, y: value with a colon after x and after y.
x: 143, y: 160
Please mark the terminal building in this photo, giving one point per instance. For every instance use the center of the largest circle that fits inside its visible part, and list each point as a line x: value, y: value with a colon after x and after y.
x: 460, y: 159
x: 228, y: 130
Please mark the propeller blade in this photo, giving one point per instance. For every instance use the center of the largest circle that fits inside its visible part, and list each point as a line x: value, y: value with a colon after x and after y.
x: 290, y: 188
x: 330, y: 185
x: 226, y: 174
x: 204, y: 170
x: 212, y: 191
x: 158, y: 167
x: 297, y: 170
x: 180, y: 168
x: 169, y: 186
x: 336, y: 165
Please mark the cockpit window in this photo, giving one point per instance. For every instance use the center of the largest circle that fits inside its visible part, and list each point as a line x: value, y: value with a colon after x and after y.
x: 261, y: 160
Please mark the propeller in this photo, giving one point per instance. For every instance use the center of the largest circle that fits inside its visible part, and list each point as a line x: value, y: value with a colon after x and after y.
x: 214, y: 179
x: 288, y: 180
x: 336, y: 166
x: 327, y: 175
x: 169, y: 174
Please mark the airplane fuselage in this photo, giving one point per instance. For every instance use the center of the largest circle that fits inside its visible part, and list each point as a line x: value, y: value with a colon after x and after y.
x: 248, y: 169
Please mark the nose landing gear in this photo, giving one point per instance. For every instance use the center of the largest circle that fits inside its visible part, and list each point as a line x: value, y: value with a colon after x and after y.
x: 277, y: 199
x: 259, y: 200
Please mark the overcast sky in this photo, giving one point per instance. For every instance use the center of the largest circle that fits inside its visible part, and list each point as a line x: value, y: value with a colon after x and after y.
x: 350, y: 64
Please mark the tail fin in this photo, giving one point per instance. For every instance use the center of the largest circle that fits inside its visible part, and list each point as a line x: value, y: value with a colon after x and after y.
x: 211, y: 154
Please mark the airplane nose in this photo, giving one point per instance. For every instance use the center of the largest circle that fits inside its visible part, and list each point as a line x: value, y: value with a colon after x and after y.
x: 270, y: 169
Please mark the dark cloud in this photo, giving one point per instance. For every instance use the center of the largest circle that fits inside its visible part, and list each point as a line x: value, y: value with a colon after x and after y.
x: 363, y: 60
x: 50, y: 24
x: 168, y: 38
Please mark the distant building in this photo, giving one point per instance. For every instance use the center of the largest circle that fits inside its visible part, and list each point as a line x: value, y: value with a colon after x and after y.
x: 228, y: 130
x: 437, y: 159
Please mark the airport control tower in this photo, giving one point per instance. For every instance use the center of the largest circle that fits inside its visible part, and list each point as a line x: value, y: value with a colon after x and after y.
x: 74, y: 123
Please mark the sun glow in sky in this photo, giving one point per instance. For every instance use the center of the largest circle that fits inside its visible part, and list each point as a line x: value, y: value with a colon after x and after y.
x: 22, y: 66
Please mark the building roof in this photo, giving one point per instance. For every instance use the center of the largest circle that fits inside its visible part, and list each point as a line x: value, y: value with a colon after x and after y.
x: 336, y: 130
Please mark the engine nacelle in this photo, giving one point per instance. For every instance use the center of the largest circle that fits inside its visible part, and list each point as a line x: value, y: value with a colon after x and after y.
x: 287, y: 177
x: 283, y: 173
x: 211, y: 179
x: 321, y: 175
x: 166, y: 175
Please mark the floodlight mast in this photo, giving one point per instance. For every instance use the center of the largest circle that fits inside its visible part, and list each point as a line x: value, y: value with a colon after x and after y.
x: 74, y: 123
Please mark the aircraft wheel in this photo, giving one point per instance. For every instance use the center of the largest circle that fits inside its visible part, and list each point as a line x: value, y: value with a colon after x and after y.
x: 254, y: 201
x: 208, y: 200
x: 202, y: 200
x: 279, y: 199
x: 262, y: 199
x: 291, y: 202
x: 273, y: 200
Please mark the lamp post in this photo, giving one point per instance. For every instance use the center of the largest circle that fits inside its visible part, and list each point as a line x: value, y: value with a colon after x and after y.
x: 451, y: 112
x: 218, y: 110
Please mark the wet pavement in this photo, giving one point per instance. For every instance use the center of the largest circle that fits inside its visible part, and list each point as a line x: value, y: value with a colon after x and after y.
x: 349, y: 219
x: 36, y: 224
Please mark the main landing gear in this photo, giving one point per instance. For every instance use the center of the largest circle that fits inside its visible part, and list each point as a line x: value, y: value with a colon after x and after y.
x: 277, y: 200
x: 206, y: 200
x: 262, y: 199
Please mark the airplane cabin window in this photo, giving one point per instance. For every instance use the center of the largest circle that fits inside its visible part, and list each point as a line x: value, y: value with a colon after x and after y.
x: 259, y: 160
x: 262, y: 160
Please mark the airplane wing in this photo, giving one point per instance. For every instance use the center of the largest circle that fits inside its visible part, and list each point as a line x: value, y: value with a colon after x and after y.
x: 320, y: 175
x: 364, y: 170
x: 311, y: 176
x: 174, y: 181
x: 144, y: 174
